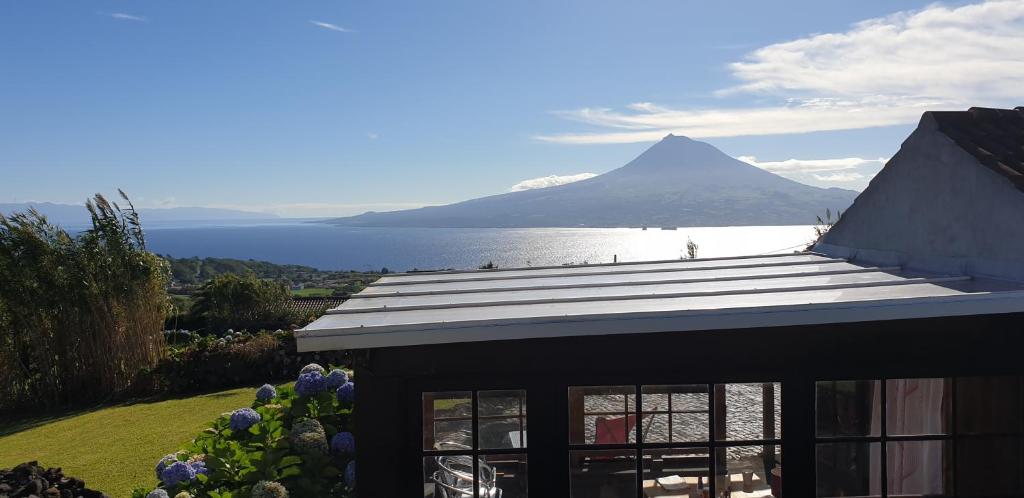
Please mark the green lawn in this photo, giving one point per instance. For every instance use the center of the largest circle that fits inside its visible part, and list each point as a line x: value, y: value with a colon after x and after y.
x: 114, y: 449
x: 313, y: 292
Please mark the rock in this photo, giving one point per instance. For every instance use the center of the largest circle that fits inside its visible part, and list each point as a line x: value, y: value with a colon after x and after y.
x: 29, y: 480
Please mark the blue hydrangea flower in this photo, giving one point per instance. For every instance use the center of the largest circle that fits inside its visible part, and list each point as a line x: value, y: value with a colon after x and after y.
x: 336, y: 378
x: 266, y: 393
x: 200, y: 468
x: 312, y: 367
x: 176, y: 473
x: 244, y: 418
x: 344, y: 443
x: 310, y: 383
x: 158, y: 493
x: 164, y: 462
x: 347, y: 392
x: 350, y: 475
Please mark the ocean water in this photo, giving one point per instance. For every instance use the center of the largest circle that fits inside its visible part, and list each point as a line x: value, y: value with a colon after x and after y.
x: 331, y: 247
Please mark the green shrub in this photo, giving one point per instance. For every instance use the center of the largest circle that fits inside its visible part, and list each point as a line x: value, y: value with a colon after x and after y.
x: 237, y: 359
x: 80, y: 315
x: 242, y: 302
x: 292, y: 442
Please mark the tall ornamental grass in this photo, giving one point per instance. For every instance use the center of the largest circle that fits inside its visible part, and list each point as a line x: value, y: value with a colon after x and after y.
x: 80, y: 315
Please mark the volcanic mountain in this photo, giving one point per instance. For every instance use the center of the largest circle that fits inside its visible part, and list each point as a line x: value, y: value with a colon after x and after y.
x: 676, y: 182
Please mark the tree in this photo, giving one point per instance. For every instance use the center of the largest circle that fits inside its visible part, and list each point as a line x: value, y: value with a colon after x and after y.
x: 242, y: 302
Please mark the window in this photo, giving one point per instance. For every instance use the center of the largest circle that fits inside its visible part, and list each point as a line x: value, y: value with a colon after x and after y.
x: 474, y: 437
x: 675, y: 438
x: 937, y: 437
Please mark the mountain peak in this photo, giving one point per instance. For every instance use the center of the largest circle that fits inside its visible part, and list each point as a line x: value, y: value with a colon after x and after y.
x: 672, y: 137
x: 675, y: 152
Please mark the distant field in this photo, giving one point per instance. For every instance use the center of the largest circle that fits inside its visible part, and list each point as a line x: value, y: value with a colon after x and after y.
x: 313, y: 292
x: 114, y: 449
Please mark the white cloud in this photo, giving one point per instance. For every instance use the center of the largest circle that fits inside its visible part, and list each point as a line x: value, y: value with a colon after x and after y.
x: 847, y: 172
x: 973, y: 51
x: 549, y: 181
x: 127, y: 17
x: 332, y: 27
x: 842, y: 177
x: 811, y: 165
x: 792, y: 117
x: 880, y: 72
x: 372, y: 136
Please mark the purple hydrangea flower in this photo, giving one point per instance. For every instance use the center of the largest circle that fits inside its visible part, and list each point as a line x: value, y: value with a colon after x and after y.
x: 344, y: 443
x: 336, y: 378
x: 266, y: 393
x: 244, y: 418
x: 176, y: 473
x: 164, y: 462
x: 158, y: 493
x: 350, y: 475
x: 347, y: 392
x: 310, y: 383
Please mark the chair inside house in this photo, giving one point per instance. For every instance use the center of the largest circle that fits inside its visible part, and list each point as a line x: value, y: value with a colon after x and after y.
x: 613, y: 430
x: 454, y: 475
x: 607, y: 474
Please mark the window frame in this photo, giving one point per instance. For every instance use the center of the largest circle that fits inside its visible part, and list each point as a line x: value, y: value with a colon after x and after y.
x: 475, y: 452
x: 952, y: 437
x: 712, y: 444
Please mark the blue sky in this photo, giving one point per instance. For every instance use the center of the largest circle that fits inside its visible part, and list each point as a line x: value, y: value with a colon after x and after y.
x: 322, y: 108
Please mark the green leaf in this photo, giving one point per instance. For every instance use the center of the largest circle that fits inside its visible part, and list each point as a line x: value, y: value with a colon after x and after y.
x: 288, y: 461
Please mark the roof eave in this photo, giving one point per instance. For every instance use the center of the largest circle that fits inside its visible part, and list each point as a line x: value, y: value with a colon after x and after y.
x: 309, y: 339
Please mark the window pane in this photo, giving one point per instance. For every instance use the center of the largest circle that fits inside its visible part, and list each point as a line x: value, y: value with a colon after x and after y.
x: 681, y: 472
x: 501, y: 403
x: 497, y: 433
x: 748, y: 411
x: 681, y: 413
x: 849, y: 469
x: 848, y: 408
x: 447, y: 420
x: 918, y: 468
x: 990, y: 466
x: 502, y: 419
x: 602, y: 473
x: 503, y: 476
x: 747, y: 470
x: 602, y: 415
x: 448, y: 476
x: 989, y: 405
x: 917, y: 406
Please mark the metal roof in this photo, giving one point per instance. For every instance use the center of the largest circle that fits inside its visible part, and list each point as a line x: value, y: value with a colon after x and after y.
x: 658, y: 296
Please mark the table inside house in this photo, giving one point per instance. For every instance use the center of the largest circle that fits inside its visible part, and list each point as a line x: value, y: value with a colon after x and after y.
x: 734, y: 481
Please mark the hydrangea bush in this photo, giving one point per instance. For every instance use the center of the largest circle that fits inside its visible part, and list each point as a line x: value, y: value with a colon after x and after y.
x: 293, y: 441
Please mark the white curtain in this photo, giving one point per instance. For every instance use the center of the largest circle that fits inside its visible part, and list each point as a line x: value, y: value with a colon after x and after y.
x: 914, y: 406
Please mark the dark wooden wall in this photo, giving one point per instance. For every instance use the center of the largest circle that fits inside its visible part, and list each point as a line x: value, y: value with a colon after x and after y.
x: 391, y: 380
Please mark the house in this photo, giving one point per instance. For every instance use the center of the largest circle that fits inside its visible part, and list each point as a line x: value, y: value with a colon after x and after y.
x: 886, y: 363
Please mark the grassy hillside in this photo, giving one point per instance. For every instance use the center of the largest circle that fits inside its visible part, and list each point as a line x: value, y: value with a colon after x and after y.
x: 114, y: 449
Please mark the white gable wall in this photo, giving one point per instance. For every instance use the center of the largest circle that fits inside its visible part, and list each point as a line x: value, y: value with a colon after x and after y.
x: 935, y: 207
